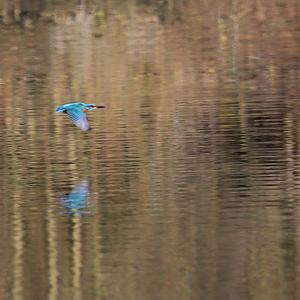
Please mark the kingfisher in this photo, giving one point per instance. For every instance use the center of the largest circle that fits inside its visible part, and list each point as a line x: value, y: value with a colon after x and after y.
x: 77, y: 113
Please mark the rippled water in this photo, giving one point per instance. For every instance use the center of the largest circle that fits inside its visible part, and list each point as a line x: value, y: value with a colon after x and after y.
x: 188, y: 185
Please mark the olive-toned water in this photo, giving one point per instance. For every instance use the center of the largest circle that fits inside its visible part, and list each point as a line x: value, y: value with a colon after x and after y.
x: 188, y: 185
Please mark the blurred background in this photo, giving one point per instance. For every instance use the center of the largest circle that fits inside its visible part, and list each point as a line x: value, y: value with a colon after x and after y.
x: 188, y: 185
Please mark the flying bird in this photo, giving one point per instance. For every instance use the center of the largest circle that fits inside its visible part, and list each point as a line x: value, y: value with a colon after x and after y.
x: 77, y: 113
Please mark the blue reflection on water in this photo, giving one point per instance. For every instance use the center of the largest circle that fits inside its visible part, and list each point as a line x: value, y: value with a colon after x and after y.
x: 76, y: 202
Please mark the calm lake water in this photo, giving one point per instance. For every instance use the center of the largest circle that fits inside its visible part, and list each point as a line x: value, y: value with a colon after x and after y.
x: 188, y: 185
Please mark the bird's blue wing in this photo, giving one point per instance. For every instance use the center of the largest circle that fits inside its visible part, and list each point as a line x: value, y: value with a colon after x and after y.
x: 79, y: 118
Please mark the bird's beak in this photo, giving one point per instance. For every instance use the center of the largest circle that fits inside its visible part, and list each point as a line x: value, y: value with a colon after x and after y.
x: 100, y: 106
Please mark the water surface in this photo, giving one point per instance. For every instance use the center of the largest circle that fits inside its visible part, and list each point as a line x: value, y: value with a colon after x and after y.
x: 188, y: 185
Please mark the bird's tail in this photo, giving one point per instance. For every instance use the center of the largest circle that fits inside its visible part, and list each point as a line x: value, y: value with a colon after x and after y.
x: 60, y: 109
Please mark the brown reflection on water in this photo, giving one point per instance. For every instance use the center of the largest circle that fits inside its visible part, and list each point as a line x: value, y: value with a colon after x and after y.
x: 192, y: 170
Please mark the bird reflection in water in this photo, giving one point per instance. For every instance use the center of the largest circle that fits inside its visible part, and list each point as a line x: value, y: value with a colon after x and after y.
x: 76, y: 202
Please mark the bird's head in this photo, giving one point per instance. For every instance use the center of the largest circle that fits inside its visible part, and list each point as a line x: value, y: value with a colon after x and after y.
x: 88, y: 107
